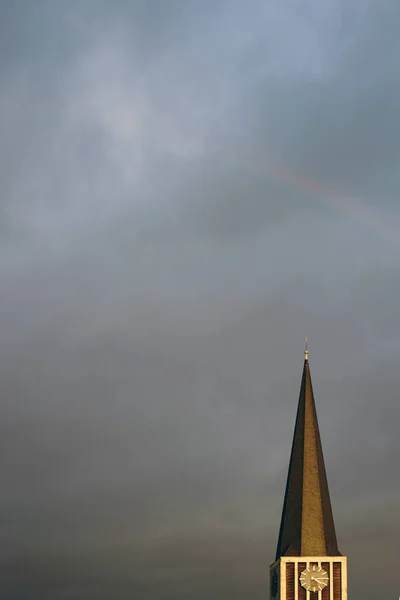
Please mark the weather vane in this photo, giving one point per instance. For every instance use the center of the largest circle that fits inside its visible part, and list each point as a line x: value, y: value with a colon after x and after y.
x: 306, y: 352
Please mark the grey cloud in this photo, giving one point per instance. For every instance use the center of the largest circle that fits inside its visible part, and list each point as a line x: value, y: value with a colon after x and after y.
x: 337, y: 130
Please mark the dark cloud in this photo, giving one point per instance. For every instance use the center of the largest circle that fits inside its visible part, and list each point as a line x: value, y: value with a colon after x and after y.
x: 187, y: 190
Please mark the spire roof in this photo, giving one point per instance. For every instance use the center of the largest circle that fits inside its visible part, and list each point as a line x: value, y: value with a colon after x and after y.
x: 307, y: 526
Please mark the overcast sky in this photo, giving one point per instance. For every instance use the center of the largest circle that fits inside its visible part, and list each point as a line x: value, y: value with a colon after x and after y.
x: 188, y: 188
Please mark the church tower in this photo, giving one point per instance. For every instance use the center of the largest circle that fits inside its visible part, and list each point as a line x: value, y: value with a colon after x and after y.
x: 308, y: 564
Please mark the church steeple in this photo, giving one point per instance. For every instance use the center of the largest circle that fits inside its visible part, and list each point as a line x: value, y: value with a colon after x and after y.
x: 307, y: 526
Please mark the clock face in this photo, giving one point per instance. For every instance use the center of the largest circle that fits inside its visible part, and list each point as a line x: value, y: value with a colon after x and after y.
x: 314, y: 578
x: 274, y: 583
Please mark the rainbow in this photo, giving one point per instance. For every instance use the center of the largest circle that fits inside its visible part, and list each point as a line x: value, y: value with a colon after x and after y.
x: 313, y: 188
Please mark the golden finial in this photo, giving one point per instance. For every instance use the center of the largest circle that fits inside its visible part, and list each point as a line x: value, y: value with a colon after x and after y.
x: 306, y: 349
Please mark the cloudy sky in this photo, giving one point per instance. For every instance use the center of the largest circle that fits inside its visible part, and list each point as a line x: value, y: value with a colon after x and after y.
x: 187, y: 189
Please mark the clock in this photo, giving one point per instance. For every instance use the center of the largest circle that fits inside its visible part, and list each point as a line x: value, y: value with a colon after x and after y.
x: 274, y: 583
x: 314, y: 578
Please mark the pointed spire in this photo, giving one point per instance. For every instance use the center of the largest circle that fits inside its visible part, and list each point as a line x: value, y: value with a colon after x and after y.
x: 307, y: 526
